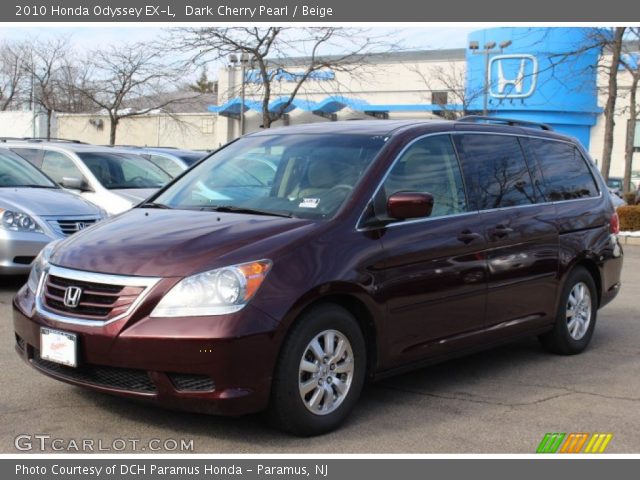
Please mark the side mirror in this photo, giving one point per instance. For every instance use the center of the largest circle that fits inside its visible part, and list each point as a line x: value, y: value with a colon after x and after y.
x: 74, y: 183
x: 403, y: 205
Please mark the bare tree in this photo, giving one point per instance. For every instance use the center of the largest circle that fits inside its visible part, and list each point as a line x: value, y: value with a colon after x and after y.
x: 130, y: 80
x: 631, y: 65
x: 45, y: 62
x: 269, y: 50
x: 12, y: 75
x: 451, y: 78
x: 614, y: 46
x: 73, y: 79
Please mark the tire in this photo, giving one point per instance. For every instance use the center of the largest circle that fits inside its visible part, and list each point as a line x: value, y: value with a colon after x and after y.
x: 569, y: 338
x: 310, y: 395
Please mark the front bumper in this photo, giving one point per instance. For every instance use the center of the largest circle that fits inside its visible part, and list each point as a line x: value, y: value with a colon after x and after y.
x: 195, y: 364
x: 18, y: 249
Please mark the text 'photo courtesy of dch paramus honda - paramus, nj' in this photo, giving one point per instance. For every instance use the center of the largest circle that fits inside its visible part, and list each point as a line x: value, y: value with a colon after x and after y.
x: 293, y: 265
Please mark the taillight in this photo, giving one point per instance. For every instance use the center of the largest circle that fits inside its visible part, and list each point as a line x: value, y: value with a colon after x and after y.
x: 614, y: 224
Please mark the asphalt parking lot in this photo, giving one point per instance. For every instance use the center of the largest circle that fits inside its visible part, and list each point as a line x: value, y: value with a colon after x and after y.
x: 503, y: 400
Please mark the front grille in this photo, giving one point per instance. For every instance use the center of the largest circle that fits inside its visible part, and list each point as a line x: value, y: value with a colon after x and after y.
x: 113, y: 377
x: 98, y: 301
x: 69, y: 226
x: 191, y: 383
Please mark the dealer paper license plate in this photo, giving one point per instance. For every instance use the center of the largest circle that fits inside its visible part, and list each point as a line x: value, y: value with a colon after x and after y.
x: 58, y: 347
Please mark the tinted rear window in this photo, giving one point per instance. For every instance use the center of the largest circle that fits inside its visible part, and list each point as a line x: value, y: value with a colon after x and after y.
x: 564, y: 169
x: 495, y: 171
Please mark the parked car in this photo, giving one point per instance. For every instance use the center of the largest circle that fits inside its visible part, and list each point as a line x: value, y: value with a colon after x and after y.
x: 616, y: 200
x: 378, y: 246
x: 113, y: 179
x: 33, y: 212
x: 615, y: 185
x: 172, y: 160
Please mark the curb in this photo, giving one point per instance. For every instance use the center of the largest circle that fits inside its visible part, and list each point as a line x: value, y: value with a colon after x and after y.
x: 625, y: 240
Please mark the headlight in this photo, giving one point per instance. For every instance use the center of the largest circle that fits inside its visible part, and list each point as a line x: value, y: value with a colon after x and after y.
x: 39, y: 265
x: 18, y: 221
x: 216, y: 292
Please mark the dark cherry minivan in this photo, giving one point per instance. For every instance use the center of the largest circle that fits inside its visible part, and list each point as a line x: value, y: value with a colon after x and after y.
x: 293, y: 264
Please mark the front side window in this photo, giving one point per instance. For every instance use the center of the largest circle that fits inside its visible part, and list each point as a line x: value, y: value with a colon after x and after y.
x: 301, y: 175
x: 495, y: 171
x: 565, y: 171
x: 58, y: 166
x: 430, y: 166
x: 17, y: 172
x: 122, y: 171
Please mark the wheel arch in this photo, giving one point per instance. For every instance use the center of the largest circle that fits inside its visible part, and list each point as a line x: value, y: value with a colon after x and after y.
x: 353, y: 301
x: 590, y: 265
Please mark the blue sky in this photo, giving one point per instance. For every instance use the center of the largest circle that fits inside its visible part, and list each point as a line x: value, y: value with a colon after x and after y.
x: 93, y: 37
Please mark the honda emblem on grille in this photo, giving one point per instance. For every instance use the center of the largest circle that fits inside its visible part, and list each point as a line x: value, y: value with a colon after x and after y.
x: 80, y: 226
x: 72, y: 297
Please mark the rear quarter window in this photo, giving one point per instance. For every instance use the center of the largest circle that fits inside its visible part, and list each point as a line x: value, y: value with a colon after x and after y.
x: 564, y: 170
x: 31, y: 155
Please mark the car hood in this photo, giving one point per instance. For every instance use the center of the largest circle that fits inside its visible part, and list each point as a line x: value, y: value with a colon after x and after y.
x: 176, y: 243
x: 135, y: 195
x: 45, y: 202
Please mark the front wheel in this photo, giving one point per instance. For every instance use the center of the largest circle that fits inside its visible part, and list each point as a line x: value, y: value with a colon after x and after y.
x: 576, y: 316
x: 320, y: 372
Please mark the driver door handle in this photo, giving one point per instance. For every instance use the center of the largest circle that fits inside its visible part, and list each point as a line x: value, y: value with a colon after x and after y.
x: 500, y: 231
x: 467, y: 236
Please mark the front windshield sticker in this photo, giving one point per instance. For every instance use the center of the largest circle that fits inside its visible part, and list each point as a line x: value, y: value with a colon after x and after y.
x: 309, y: 203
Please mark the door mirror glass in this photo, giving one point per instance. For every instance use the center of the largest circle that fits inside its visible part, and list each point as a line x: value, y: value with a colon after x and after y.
x: 403, y: 205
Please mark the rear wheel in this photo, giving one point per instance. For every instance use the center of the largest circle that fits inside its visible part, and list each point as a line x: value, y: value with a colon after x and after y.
x: 320, y: 372
x: 576, y: 316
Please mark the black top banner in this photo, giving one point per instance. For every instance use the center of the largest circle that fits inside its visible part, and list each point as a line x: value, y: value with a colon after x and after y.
x: 317, y: 11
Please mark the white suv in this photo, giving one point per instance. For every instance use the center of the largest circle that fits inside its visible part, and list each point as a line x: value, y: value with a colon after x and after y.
x: 113, y: 179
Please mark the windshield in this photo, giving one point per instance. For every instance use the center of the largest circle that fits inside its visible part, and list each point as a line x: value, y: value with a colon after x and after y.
x: 306, y: 176
x: 17, y: 172
x: 121, y: 170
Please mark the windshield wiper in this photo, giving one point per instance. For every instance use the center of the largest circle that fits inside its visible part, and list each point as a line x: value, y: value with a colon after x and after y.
x: 154, y: 205
x: 251, y: 211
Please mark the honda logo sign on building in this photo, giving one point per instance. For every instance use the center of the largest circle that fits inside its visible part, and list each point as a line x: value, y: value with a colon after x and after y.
x: 513, y: 76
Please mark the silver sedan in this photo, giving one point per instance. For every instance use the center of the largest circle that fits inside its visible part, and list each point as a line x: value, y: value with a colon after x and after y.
x: 33, y: 212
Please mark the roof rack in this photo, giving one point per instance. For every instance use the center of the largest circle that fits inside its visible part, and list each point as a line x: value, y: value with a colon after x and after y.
x: 40, y: 139
x: 121, y: 146
x: 54, y: 139
x: 506, y: 121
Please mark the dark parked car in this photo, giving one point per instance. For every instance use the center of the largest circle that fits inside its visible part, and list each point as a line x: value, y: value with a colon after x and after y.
x: 616, y: 184
x: 375, y: 247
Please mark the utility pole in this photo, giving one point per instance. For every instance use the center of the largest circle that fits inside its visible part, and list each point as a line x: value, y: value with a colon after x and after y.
x: 489, y: 48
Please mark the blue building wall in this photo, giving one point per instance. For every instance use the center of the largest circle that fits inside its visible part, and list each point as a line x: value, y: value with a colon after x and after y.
x: 538, y: 77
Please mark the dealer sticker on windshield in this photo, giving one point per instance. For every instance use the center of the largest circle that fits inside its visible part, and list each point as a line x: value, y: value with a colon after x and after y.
x: 309, y: 203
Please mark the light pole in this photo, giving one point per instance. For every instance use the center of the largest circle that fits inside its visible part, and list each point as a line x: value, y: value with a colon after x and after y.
x: 489, y: 48
x: 244, y: 61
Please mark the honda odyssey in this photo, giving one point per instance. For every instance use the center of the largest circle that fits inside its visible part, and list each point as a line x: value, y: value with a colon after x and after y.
x: 372, y: 248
